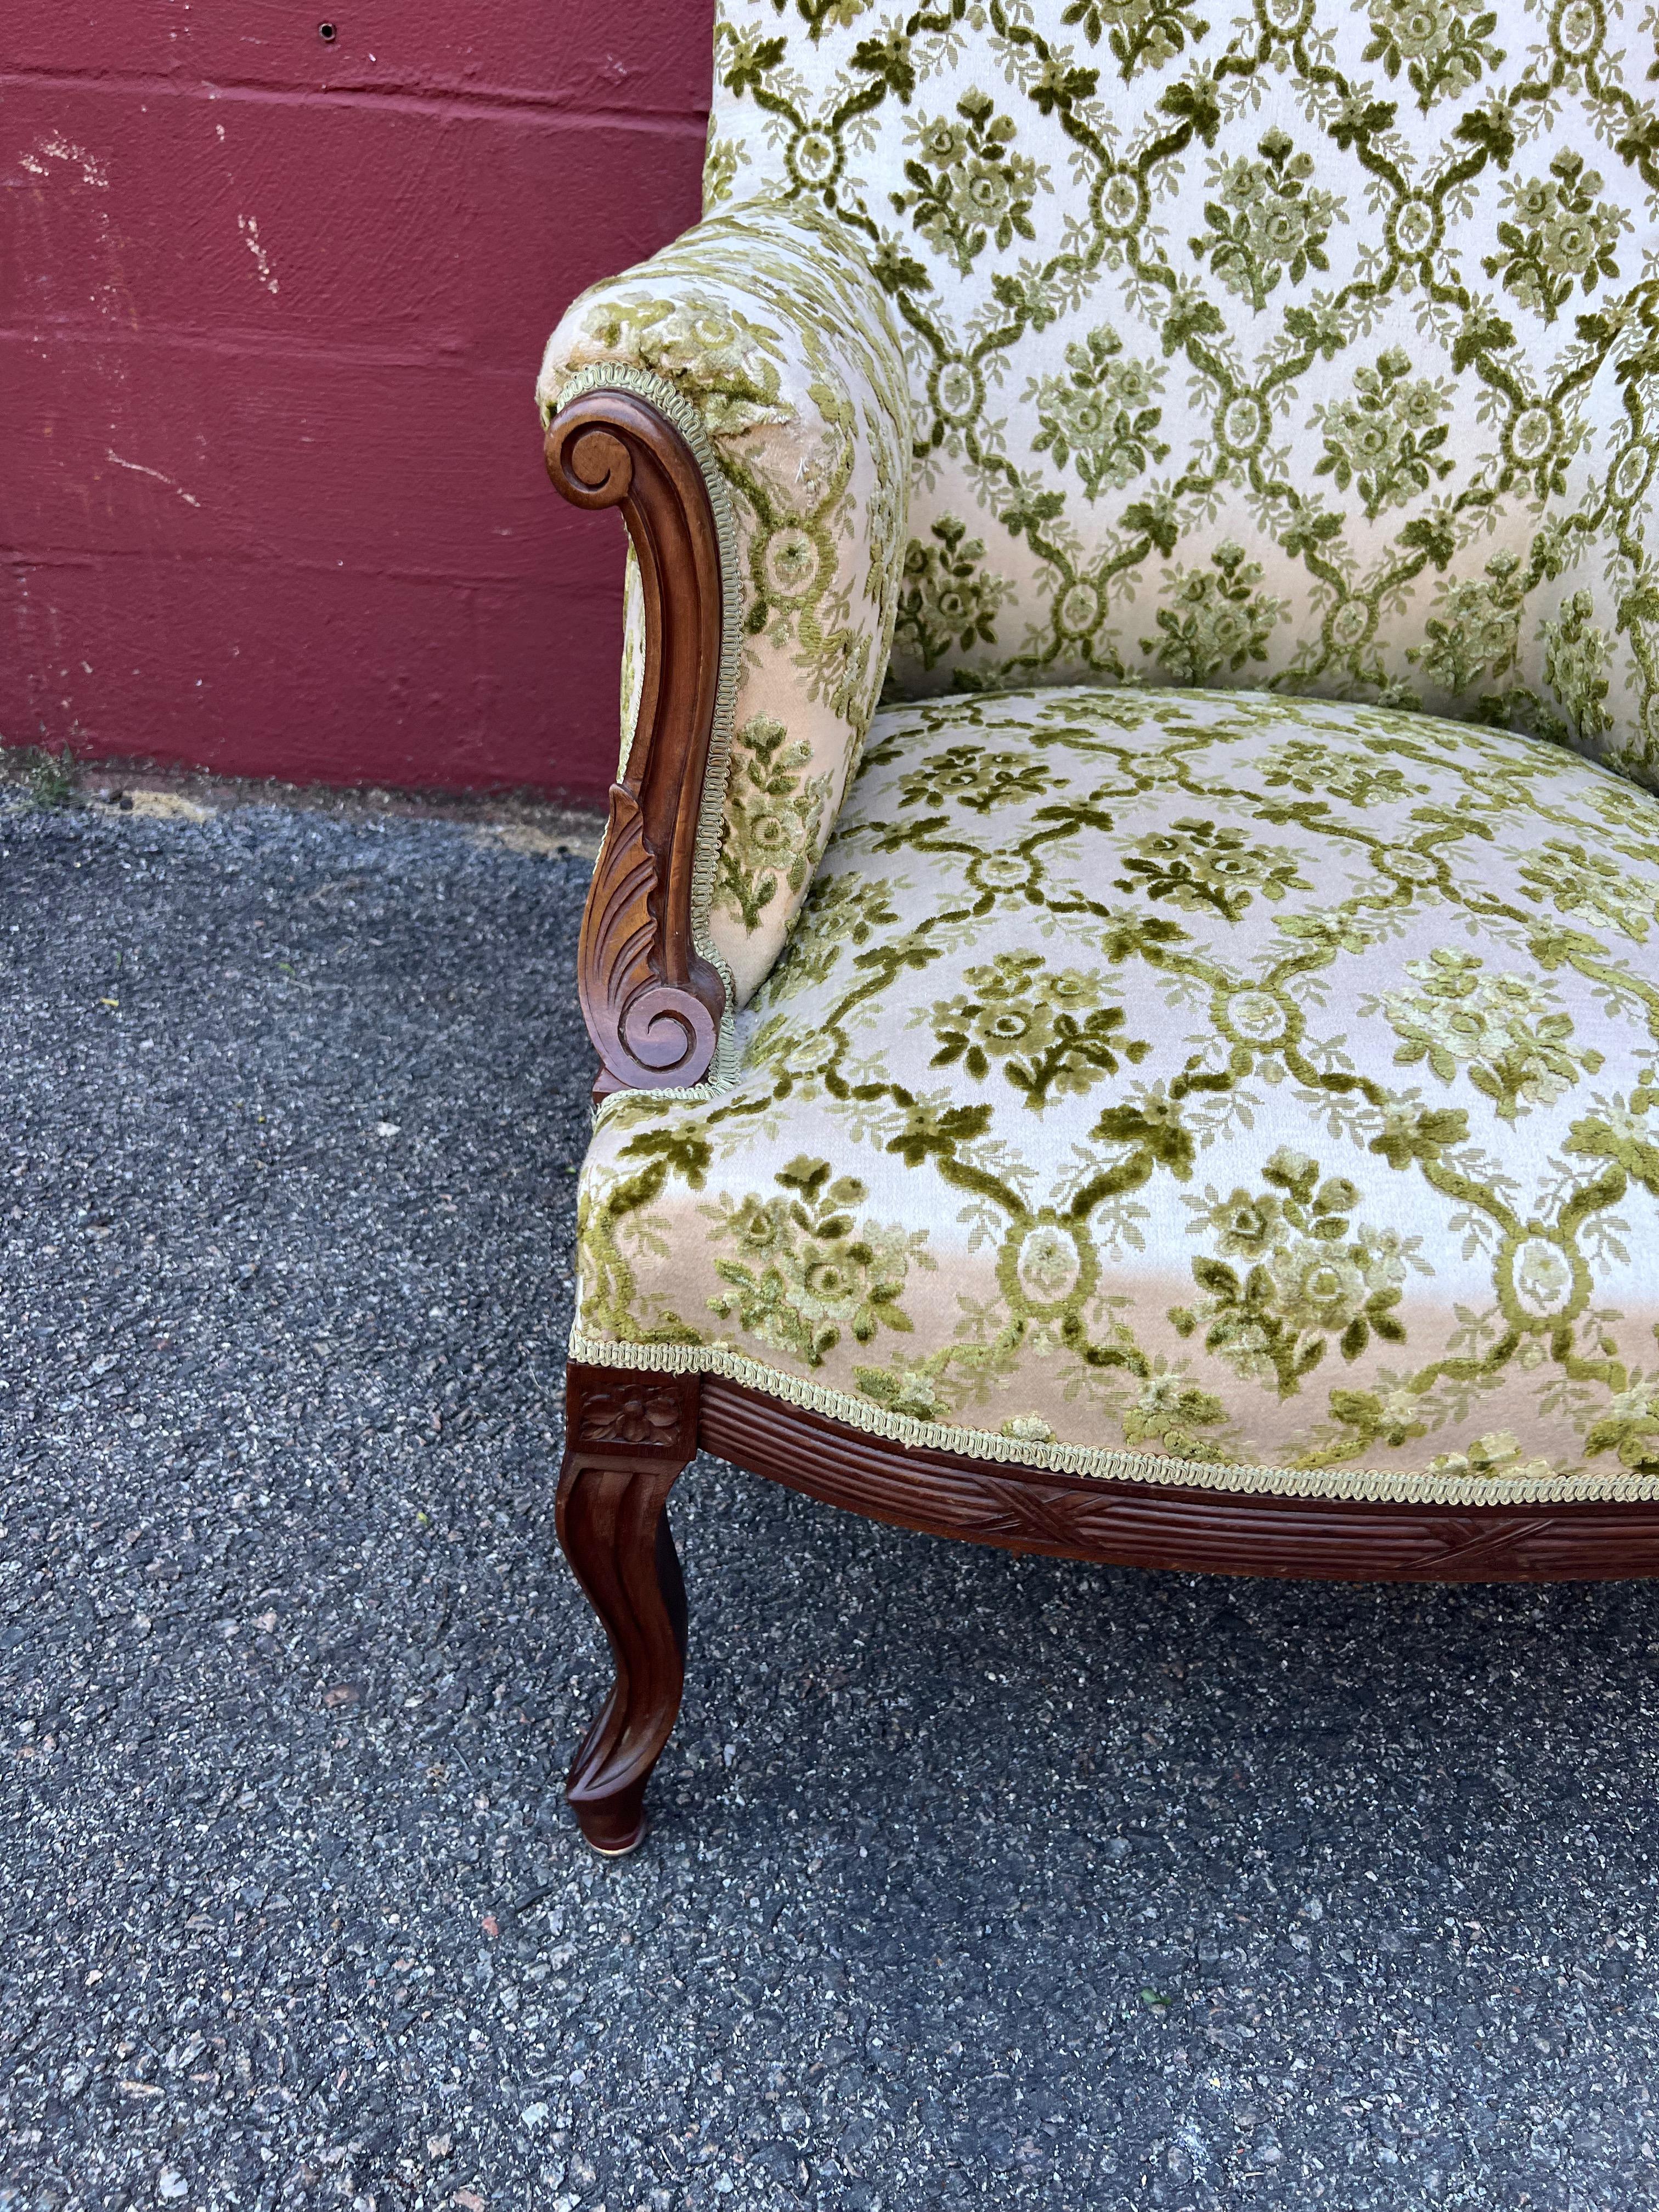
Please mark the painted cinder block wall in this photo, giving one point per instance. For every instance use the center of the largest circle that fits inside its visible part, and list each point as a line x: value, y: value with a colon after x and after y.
x: 271, y: 305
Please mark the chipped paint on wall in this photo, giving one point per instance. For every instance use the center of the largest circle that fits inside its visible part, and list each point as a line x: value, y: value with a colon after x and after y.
x: 250, y: 229
x: 139, y: 470
x: 93, y: 170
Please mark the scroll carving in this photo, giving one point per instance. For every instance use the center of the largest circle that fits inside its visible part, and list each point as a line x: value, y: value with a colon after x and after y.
x: 653, y: 1005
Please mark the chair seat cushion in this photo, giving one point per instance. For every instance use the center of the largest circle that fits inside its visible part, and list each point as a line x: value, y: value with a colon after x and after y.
x: 1192, y: 1086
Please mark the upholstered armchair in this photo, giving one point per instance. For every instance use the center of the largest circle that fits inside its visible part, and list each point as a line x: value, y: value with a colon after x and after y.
x: 1125, y: 962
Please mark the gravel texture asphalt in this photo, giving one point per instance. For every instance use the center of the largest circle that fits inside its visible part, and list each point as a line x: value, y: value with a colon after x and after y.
x: 974, y: 1881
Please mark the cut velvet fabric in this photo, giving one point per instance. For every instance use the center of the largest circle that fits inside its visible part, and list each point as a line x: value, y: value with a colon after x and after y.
x: 1201, y: 1086
x: 769, y: 325
x: 1312, y: 347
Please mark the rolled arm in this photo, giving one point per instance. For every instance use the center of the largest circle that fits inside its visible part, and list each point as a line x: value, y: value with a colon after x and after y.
x: 654, y: 1001
x: 742, y: 397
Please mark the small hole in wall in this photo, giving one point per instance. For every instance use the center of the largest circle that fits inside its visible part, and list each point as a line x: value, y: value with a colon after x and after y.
x: 328, y: 33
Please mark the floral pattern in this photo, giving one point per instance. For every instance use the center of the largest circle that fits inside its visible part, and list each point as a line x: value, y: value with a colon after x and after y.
x: 1139, y: 33
x: 1049, y: 1030
x: 1098, y: 414
x: 800, y: 1272
x: 1504, y: 1030
x: 1559, y: 236
x: 1216, y: 622
x: 946, y: 599
x: 774, y: 819
x: 1265, y: 1091
x: 1363, y: 295
x: 1443, y: 46
x: 1387, y: 440
x: 1266, y: 221
x: 967, y: 184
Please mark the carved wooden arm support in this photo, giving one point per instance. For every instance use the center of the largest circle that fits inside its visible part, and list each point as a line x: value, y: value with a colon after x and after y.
x: 653, y: 1005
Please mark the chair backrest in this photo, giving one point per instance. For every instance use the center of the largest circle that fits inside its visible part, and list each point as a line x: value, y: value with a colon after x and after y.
x: 1308, y: 347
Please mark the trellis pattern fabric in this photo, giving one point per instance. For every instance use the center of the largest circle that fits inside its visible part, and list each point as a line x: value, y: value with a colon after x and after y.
x: 1189, y: 1064
x: 1195, y: 1085
x: 1308, y: 346
x: 770, y: 323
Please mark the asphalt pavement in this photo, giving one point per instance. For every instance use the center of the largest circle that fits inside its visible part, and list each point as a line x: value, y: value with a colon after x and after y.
x: 974, y: 1882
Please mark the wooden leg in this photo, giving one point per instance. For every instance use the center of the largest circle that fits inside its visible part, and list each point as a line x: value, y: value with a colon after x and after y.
x: 628, y: 1438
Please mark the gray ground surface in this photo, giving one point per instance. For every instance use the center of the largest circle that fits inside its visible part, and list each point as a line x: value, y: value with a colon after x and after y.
x: 974, y: 1881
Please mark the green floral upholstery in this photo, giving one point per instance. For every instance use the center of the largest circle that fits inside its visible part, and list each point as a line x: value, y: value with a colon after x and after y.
x: 770, y: 323
x: 1247, y: 1086
x: 1308, y: 347
x: 1193, y: 1086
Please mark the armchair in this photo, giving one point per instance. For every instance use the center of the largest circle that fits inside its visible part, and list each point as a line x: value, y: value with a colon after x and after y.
x: 1125, y: 962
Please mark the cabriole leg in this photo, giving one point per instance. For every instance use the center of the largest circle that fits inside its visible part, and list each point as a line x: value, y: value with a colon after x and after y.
x: 628, y: 1438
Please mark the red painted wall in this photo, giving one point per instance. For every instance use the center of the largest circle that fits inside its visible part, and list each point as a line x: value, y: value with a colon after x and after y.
x: 271, y: 500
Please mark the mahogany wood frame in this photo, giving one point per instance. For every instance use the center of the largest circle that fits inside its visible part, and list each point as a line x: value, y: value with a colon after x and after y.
x: 652, y: 1005
x: 653, y: 1009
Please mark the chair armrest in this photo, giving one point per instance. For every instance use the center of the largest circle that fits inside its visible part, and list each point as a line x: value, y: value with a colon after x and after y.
x: 743, y: 397
x: 654, y: 1004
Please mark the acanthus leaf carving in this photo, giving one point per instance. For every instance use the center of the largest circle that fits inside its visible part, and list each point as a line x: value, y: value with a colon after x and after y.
x: 652, y: 1003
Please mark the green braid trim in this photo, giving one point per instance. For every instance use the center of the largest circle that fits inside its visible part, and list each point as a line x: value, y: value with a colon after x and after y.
x: 1375, y: 1485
